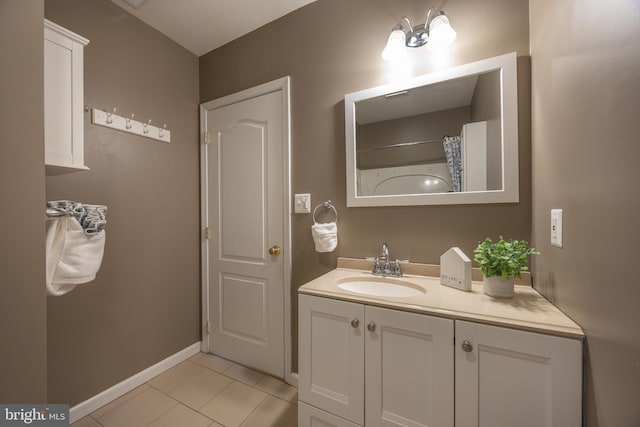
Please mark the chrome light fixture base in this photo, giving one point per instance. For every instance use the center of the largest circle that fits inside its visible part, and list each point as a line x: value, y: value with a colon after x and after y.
x: 417, y: 36
x: 436, y: 30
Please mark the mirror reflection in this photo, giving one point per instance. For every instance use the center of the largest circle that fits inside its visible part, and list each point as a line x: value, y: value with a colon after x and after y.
x: 448, y: 137
x: 440, y: 138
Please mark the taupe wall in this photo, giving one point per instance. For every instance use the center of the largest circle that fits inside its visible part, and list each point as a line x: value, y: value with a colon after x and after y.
x: 430, y: 126
x: 586, y: 105
x: 23, y: 310
x: 145, y: 302
x: 332, y: 47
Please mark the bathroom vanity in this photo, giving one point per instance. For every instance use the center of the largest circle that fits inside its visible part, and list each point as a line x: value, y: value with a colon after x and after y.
x: 433, y: 355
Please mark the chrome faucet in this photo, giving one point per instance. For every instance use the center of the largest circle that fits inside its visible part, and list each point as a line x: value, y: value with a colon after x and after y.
x: 382, y: 264
x: 384, y: 255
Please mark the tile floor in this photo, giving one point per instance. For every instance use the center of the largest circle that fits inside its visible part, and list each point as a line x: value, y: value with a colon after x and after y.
x: 203, y: 391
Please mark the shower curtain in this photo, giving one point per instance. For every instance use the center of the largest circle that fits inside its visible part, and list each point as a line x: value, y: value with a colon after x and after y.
x: 453, y: 151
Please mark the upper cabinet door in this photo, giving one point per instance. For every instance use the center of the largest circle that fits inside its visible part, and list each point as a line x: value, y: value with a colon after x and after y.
x: 63, y: 98
x: 506, y: 377
x: 331, y: 356
x: 409, y: 369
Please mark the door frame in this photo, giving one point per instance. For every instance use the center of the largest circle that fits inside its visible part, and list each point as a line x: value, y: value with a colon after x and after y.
x: 282, y: 85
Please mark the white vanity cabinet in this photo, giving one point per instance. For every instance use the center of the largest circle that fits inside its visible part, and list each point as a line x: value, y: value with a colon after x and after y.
x: 373, y: 366
x: 506, y: 377
x: 361, y: 365
x: 63, y: 99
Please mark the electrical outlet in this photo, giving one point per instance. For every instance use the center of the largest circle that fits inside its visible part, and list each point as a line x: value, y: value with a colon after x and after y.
x: 302, y: 203
x: 556, y: 227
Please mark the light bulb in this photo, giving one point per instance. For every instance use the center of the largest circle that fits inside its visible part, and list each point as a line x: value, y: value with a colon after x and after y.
x: 440, y: 32
x: 395, y: 48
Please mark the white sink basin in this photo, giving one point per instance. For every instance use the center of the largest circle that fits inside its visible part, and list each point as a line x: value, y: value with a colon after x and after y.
x: 381, y: 287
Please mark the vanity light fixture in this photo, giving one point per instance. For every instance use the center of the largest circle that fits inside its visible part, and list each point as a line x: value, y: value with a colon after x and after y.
x: 436, y: 33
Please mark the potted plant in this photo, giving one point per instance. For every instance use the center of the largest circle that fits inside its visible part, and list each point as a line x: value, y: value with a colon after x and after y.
x: 501, y: 262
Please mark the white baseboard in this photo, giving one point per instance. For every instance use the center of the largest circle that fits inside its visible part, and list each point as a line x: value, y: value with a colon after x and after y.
x: 88, y: 406
x: 293, y: 378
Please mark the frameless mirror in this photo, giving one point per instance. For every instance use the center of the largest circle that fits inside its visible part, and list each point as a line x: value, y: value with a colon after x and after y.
x: 448, y: 137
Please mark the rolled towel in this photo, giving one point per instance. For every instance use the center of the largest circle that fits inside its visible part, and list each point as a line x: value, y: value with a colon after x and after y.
x: 325, y: 236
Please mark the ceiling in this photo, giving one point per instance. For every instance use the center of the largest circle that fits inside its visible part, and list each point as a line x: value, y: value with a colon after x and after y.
x: 419, y: 100
x: 203, y: 25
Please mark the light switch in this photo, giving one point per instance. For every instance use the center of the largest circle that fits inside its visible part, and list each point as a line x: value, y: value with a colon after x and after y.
x: 302, y: 203
x: 556, y: 227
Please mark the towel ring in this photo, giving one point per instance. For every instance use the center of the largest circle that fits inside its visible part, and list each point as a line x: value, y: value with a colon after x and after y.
x: 327, y: 205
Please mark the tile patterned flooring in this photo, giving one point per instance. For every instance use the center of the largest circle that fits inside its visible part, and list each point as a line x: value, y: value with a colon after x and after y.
x: 203, y: 391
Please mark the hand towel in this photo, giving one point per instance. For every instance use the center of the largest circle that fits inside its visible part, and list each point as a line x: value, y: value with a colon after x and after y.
x: 325, y: 236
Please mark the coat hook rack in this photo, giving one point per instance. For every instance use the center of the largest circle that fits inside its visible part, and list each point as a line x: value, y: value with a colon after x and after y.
x: 128, y: 124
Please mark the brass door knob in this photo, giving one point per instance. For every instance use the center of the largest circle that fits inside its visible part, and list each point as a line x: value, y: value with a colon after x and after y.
x: 275, y: 250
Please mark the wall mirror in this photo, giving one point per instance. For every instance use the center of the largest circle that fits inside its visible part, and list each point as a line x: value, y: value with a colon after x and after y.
x: 448, y: 137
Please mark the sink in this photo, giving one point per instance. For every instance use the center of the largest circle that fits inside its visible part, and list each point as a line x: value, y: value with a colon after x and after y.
x: 381, y: 287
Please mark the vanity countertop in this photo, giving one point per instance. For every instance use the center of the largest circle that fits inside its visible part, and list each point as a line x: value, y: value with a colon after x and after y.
x: 527, y: 310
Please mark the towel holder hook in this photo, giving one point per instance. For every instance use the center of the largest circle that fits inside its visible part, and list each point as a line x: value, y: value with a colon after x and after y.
x: 327, y: 204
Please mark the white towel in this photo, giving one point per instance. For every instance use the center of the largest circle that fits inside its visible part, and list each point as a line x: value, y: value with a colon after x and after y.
x: 325, y: 236
x: 73, y: 257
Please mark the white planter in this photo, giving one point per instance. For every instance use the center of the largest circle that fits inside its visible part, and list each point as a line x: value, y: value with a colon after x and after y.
x: 498, y: 287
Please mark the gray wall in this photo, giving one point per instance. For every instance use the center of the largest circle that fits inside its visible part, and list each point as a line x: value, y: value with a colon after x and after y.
x: 429, y: 126
x: 145, y: 302
x: 23, y: 307
x: 340, y: 55
x: 586, y: 102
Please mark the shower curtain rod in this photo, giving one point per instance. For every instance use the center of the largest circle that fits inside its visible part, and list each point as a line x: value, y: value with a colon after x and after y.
x: 401, y: 144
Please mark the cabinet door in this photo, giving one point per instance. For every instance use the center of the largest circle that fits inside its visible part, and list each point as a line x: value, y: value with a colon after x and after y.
x: 409, y: 369
x: 506, y: 377
x: 331, y: 356
x: 63, y: 97
x: 308, y: 416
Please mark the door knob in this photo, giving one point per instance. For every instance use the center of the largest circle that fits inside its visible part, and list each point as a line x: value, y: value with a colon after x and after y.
x: 275, y: 250
x: 467, y: 347
x: 355, y: 323
x: 371, y: 327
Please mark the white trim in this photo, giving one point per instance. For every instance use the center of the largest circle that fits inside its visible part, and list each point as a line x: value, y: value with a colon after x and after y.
x: 99, y: 400
x: 65, y: 32
x: 284, y: 85
x: 204, y: 247
x: 293, y: 379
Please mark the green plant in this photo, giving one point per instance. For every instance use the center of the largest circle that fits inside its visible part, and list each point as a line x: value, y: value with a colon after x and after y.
x: 505, y: 259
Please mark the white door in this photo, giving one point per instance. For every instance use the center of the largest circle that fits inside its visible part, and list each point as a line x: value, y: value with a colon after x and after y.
x: 409, y: 369
x: 331, y: 356
x: 506, y: 377
x: 245, y: 182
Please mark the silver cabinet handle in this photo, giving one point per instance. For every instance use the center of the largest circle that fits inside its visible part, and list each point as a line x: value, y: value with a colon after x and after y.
x: 467, y: 347
x: 355, y: 323
x: 371, y: 327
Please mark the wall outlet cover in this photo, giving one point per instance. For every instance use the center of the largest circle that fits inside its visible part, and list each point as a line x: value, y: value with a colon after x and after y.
x: 556, y: 228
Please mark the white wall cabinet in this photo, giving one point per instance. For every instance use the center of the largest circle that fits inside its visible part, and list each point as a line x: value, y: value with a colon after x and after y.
x: 374, y: 366
x: 370, y: 366
x: 63, y: 99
